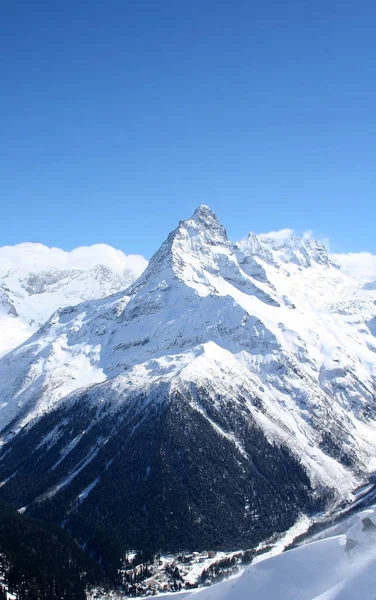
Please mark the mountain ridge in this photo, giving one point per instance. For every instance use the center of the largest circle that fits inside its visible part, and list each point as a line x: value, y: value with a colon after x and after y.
x: 35, y: 280
x: 257, y: 340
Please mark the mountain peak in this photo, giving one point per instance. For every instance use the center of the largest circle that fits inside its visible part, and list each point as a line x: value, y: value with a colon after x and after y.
x: 196, y: 259
x: 203, y: 227
x: 195, y: 245
x: 203, y: 220
x: 288, y: 247
x: 204, y: 213
x: 284, y: 246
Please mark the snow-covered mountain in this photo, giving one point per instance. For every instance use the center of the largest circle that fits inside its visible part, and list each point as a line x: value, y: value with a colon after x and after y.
x: 36, y: 280
x: 231, y: 381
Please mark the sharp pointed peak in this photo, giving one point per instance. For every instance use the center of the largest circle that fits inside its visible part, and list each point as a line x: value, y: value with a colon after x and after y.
x: 194, y: 237
x: 204, y: 212
x: 206, y: 219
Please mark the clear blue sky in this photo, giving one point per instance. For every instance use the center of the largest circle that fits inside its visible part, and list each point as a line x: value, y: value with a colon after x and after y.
x: 119, y: 117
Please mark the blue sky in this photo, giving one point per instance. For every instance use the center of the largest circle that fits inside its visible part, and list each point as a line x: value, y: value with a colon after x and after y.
x: 118, y: 118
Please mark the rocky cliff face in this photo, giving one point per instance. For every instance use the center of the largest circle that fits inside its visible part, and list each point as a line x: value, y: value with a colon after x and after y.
x: 228, y: 389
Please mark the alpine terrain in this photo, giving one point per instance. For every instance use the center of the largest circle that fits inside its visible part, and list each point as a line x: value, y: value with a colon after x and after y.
x: 36, y: 280
x: 228, y: 390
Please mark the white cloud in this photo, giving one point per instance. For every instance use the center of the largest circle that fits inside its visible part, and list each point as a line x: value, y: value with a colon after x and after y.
x: 281, y: 235
x: 357, y: 264
x: 38, y: 257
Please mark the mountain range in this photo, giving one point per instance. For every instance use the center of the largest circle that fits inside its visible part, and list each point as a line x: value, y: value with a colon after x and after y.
x: 35, y: 280
x: 228, y: 389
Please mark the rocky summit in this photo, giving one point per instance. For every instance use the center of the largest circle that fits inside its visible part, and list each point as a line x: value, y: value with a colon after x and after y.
x: 229, y: 389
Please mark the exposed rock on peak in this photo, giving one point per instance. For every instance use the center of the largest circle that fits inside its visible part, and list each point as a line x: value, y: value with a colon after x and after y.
x: 244, y: 371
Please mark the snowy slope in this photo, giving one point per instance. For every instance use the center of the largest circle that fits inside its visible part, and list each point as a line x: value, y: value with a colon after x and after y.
x: 36, y: 280
x: 339, y: 567
x: 270, y: 323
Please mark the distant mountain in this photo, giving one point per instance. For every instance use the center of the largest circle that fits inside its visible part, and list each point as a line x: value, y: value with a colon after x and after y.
x: 228, y: 390
x: 36, y: 280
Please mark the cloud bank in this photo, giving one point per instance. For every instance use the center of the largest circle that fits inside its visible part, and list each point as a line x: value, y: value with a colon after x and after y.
x: 38, y: 257
x: 358, y: 264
